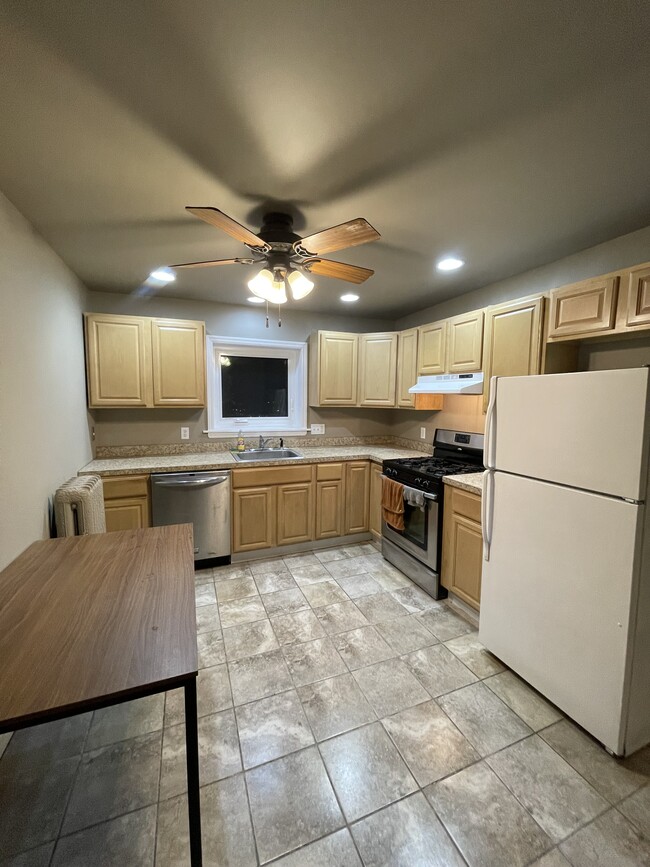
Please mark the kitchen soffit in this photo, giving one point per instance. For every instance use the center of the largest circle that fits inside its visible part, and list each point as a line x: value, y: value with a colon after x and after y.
x: 512, y: 138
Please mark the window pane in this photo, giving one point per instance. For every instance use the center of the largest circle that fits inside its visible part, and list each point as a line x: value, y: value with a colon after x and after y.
x: 254, y: 387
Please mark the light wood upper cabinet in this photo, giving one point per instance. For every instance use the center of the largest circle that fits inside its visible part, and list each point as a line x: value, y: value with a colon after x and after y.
x: 295, y: 504
x: 118, y: 361
x: 143, y: 362
x: 432, y: 348
x: 583, y: 308
x: 178, y: 355
x: 357, y: 491
x: 513, y: 340
x: 462, y: 545
x: 377, y: 369
x: 638, y: 297
x: 465, y: 342
x: 126, y: 503
x: 407, y: 366
x: 333, y: 368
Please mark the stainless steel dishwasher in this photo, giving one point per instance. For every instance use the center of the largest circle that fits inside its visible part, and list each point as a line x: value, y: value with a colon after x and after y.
x: 201, y: 499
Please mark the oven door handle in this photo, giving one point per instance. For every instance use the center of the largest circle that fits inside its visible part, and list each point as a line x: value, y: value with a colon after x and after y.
x: 426, y: 496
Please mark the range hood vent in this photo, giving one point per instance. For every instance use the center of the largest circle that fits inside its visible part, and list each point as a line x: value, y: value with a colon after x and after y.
x: 449, y: 383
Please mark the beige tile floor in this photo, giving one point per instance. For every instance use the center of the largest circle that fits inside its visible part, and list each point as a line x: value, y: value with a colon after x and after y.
x: 346, y: 719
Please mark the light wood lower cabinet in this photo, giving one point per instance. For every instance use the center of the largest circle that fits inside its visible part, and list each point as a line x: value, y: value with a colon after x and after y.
x: 126, y: 503
x: 462, y: 545
x: 253, y: 518
x: 295, y: 505
x: 375, y: 499
x: 357, y: 493
x: 329, y: 509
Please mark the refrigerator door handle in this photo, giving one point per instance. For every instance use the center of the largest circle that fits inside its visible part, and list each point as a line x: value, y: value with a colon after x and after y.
x: 487, y: 508
x: 490, y: 437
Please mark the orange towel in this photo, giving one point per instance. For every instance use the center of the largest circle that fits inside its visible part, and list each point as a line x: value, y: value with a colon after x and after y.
x: 392, y: 503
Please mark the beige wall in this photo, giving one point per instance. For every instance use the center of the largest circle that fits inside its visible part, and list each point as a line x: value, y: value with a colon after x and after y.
x: 43, y: 427
x: 157, y: 426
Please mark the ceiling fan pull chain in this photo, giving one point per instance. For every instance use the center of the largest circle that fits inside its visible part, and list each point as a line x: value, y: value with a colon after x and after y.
x: 267, y: 314
x: 279, y: 316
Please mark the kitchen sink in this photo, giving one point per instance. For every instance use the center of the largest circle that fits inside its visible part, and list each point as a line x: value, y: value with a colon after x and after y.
x: 266, y: 455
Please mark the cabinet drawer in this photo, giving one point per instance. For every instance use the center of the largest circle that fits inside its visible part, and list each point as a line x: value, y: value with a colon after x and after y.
x: 329, y: 472
x: 271, y: 476
x: 126, y: 486
x: 466, y: 504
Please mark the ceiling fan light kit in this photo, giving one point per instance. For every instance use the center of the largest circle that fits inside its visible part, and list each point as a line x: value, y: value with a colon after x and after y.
x: 284, y: 256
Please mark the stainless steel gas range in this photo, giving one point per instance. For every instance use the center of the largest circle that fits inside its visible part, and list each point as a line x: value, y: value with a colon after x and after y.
x: 417, y: 549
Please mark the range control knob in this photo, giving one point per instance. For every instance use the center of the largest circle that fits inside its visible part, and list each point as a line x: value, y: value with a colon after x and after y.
x: 426, y: 483
x: 418, y: 480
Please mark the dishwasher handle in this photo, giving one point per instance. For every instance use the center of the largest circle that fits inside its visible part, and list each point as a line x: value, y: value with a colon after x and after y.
x: 191, y: 483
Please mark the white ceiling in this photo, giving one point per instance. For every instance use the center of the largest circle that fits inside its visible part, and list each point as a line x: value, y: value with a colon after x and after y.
x: 511, y: 133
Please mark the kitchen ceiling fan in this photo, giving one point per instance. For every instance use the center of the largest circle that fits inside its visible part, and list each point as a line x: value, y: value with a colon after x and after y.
x: 285, y: 256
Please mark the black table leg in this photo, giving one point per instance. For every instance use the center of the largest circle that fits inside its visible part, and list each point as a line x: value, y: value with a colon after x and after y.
x: 193, y: 795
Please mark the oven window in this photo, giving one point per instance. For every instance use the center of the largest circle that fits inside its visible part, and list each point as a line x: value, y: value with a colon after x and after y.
x: 415, y: 525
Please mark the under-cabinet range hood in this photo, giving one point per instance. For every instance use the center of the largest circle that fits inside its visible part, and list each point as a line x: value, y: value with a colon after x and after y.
x: 449, y: 383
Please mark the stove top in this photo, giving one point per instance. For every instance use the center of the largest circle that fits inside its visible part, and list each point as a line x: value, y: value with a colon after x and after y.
x: 454, y: 453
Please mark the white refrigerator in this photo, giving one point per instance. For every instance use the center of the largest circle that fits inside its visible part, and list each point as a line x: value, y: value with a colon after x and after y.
x: 565, y: 598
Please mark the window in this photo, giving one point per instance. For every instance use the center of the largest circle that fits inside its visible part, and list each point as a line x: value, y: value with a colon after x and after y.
x: 256, y: 386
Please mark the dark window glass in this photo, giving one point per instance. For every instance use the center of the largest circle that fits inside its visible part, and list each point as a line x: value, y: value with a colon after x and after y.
x: 254, y: 387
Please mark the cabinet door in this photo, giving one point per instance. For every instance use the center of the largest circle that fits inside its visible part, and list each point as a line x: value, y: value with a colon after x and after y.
x: 583, y: 308
x: 127, y: 513
x: 118, y: 362
x: 465, y: 342
x: 375, y: 499
x: 253, y: 519
x: 329, y: 509
x: 295, y: 513
x: 638, y: 297
x: 337, y: 368
x: 432, y: 348
x: 377, y: 369
x: 357, y: 484
x: 407, y: 366
x: 513, y: 340
x: 462, y: 548
x: 178, y: 348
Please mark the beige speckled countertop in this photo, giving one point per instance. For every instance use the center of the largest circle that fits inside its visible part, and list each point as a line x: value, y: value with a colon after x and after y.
x: 467, y: 481
x: 222, y: 460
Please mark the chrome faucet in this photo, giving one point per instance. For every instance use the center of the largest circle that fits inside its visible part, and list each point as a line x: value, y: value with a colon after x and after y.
x: 264, y: 442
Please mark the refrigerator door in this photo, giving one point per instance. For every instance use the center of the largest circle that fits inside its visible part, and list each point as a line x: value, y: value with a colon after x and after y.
x: 557, y: 595
x: 587, y: 430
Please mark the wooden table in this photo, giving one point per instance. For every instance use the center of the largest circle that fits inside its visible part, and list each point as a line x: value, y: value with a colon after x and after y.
x: 91, y: 621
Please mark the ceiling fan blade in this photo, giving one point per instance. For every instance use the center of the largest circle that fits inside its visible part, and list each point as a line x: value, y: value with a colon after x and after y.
x: 222, y: 221
x: 338, y: 270
x: 339, y: 237
x: 214, y: 262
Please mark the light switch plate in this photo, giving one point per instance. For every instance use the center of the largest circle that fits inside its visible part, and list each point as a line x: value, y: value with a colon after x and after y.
x: 185, y: 433
x: 318, y: 428
x: 423, y: 433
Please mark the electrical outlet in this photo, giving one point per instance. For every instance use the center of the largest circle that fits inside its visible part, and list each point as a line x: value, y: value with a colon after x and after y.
x: 185, y: 433
x: 423, y: 433
x: 318, y: 429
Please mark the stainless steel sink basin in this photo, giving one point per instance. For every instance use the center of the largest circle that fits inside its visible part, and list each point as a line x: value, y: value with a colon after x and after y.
x: 266, y: 455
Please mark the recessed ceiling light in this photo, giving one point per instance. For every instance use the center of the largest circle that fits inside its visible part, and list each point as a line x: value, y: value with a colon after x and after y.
x: 449, y: 263
x: 163, y: 275
x: 349, y: 297
x: 255, y: 300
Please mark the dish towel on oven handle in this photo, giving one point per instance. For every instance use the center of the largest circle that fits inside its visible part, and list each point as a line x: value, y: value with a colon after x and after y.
x: 414, y: 497
x: 392, y: 503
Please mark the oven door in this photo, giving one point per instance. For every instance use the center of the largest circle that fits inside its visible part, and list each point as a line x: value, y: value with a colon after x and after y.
x: 420, y: 534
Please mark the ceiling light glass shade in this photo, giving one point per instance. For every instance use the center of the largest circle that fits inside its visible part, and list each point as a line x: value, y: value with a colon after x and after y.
x: 278, y: 293
x: 262, y: 284
x: 300, y: 285
x: 449, y: 263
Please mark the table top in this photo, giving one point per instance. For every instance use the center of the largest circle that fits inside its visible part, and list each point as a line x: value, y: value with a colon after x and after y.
x: 88, y: 618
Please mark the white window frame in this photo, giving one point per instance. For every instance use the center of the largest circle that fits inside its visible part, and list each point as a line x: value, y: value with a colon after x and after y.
x: 296, y: 355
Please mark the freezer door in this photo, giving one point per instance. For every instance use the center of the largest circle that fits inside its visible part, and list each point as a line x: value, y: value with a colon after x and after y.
x: 587, y: 430
x: 557, y: 595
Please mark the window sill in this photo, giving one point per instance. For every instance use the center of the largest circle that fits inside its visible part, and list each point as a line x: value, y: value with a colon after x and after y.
x: 229, y: 434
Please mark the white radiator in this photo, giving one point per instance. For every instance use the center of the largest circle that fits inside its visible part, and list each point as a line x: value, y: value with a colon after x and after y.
x: 79, y: 507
